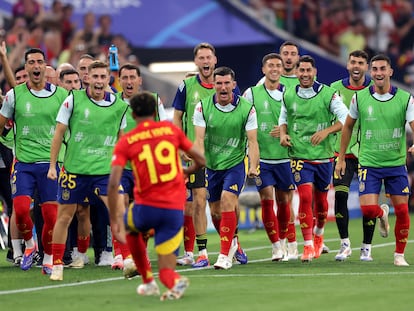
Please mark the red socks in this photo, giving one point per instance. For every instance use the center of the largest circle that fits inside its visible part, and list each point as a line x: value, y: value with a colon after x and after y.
x: 21, y: 206
x: 270, y: 220
x: 83, y: 243
x: 321, y: 208
x: 291, y: 235
x: 189, y: 234
x: 168, y: 277
x: 402, y: 227
x: 216, y: 222
x: 305, y: 211
x: 121, y: 249
x: 49, y: 214
x: 227, y: 229
x: 139, y: 253
x: 58, y: 250
x: 283, y: 216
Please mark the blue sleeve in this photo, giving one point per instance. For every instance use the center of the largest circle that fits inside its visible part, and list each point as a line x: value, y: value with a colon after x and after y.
x: 180, y: 98
x: 236, y: 91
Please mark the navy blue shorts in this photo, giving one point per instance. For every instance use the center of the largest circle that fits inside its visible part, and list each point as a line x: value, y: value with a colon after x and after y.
x: 127, y: 182
x: 26, y: 177
x: 231, y: 180
x: 395, y: 180
x: 167, y: 225
x: 278, y: 175
x: 74, y: 188
x: 320, y: 174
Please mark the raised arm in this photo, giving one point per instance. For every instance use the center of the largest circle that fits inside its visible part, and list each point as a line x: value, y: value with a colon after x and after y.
x: 7, y: 70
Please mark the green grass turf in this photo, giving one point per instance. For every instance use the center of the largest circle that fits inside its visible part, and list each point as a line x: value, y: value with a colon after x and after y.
x: 321, y: 285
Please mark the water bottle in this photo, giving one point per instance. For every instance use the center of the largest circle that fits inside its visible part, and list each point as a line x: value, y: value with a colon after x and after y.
x: 113, y: 58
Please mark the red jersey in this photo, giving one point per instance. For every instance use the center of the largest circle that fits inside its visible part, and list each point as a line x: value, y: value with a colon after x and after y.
x: 152, y: 148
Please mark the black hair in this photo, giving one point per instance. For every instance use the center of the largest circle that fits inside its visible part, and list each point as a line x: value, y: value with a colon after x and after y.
x: 287, y: 43
x: 224, y: 71
x: 33, y: 51
x: 381, y: 57
x: 63, y: 73
x: 306, y: 59
x: 271, y: 56
x: 143, y: 104
x: 359, y: 53
x: 204, y: 45
x: 20, y: 68
x: 129, y: 66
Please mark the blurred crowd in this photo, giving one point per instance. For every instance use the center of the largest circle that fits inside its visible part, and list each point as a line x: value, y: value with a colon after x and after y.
x: 337, y: 26
x: 341, y: 26
x: 52, y: 30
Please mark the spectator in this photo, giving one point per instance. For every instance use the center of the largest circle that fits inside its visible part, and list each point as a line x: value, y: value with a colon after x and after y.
x: 87, y: 34
x: 352, y: 39
x: 68, y: 28
x: 16, y: 33
x: 36, y: 36
x: 404, y: 22
x: 50, y: 75
x: 124, y: 48
x: 53, y: 46
x: 379, y: 26
x: 307, y: 21
x: 330, y: 30
x: 28, y: 9
x: 104, y: 35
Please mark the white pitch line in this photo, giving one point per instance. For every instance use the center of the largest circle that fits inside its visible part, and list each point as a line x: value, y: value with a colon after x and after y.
x: 34, y: 289
x: 300, y: 275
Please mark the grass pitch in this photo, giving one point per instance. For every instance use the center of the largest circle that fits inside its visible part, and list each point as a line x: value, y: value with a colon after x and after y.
x: 324, y: 284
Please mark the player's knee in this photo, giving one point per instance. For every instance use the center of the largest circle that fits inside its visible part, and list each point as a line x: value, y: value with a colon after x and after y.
x: 370, y: 211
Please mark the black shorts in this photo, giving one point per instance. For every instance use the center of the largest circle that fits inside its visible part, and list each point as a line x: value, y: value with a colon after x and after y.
x: 350, y: 170
x: 197, y: 180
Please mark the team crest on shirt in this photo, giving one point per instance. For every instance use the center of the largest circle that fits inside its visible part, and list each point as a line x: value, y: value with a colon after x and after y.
x: 297, y: 177
x: 361, y: 186
x: 266, y: 105
x: 28, y: 112
x: 86, y: 114
x: 370, y: 111
x: 65, y: 194
x: 259, y: 181
x: 294, y: 106
x: 196, y: 97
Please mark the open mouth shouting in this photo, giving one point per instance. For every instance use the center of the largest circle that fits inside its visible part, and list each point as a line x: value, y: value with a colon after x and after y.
x: 36, y: 75
x: 129, y: 90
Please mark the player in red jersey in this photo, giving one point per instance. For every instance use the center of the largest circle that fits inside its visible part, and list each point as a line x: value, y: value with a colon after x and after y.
x: 159, y: 194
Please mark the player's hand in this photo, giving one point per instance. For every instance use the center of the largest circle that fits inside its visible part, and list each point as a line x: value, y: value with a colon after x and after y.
x: 51, y: 173
x: 285, y: 141
x: 3, y: 49
x: 275, y: 132
x: 253, y: 172
x: 339, y: 168
x: 185, y: 157
x: 411, y: 149
x: 318, y: 137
